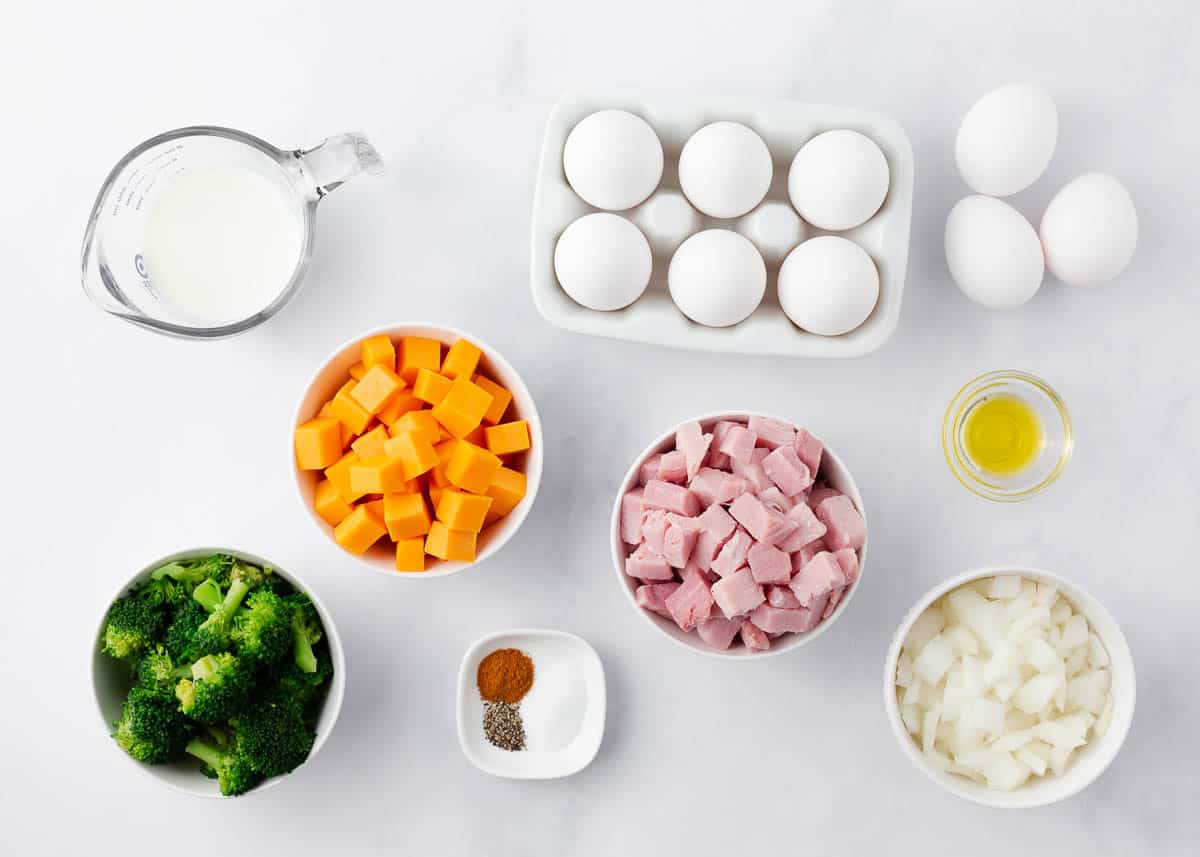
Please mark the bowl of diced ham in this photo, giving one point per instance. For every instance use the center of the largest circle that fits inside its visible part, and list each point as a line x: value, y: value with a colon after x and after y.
x: 739, y: 535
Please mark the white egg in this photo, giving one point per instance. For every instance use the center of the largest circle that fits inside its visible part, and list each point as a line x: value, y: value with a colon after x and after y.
x: 717, y: 277
x: 1006, y: 139
x: 828, y: 285
x: 1089, y: 230
x: 666, y: 219
x: 774, y: 228
x: 725, y: 169
x: 838, y: 180
x: 993, y: 253
x: 613, y: 159
x: 602, y: 261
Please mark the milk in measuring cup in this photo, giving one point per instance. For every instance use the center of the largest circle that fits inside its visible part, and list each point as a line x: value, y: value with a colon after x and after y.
x: 221, y: 243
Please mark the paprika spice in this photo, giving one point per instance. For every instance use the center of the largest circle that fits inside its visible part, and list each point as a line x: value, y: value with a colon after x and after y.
x: 505, y: 675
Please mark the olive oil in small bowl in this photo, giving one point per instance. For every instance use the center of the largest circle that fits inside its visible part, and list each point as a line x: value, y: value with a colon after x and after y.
x: 1007, y: 436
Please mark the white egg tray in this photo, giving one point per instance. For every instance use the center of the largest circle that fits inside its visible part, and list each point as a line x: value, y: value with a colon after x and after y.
x: 785, y: 126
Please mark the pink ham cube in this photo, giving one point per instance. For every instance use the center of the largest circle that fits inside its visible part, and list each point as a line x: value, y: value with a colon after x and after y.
x: 691, y: 603
x: 781, y: 596
x: 693, y: 444
x: 631, y: 517
x: 649, y: 468
x: 763, y: 522
x: 718, y: 632
x: 732, y: 556
x: 769, y: 564
x: 692, y: 570
x: 645, y: 565
x: 848, y: 560
x: 752, y: 471
x: 653, y: 596
x: 754, y: 638
x: 738, y: 444
x: 716, y: 458
x: 801, y: 557
x: 737, y: 594
x: 820, y: 493
x: 678, y: 541
x: 672, y: 467
x: 835, y: 598
x: 654, y: 530
x: 776, y: 499
x: 784, y: 467
x: 776, y: 620
x: 809, y: 448
x: 808, y: 529
x: 669, y: 497
x: 716, y: 528
x: 819, y: 576
x: 716, y: 486
x: 815, y: 611
x: 772, y: 433
x: 845, y: 525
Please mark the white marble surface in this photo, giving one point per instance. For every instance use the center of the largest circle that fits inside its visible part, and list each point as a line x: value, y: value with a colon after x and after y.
x: 122, y: 445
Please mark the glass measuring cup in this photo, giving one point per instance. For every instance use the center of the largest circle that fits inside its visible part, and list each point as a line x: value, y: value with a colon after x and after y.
x: 144, y: 253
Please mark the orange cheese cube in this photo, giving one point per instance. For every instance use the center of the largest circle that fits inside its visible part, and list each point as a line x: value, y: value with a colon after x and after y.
x: 472, y: 468
x: 351, y: 414
x: 445, y: 543
x: 379, y: 475
x: 415, y: 454
x: 379, y: 351
x: 347, y: 433
x: 462, y: 409
x: 500, y: 399
x: 405, y: 515
x: 318, y: 443
x: 339, y: 475
x: 357, y: 371
x: 410, y: 554
x: 417, y: 352
x: 329, y: 504
x: 401, y: 404
x: 477, y: 437
x: 444, y: 450
x: 370, y: 444
x: 430, y: 386
x: 435, y: 495
x: 461, y: 511
x: 462, y: 359
x: 507, y: 490
x: 359, y: 530
x: 419, y: 423
x: 376, y: 389
x: 508, y: 438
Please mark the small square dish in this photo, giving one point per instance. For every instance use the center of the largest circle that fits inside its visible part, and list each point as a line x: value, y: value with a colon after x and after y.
x: 562, y: 713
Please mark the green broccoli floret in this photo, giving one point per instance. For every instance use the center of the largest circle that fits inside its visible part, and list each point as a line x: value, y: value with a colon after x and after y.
x: 208, y: 595
x: 177, y: 639
x: 157, y: 670
x: 131, y: 627
x: 151, y: 728
x: 262, y: 630
x: 306, y: 688
x: 306, y: 631
x: 213, y: 634
x: 230, y: 767
x: 218, y: 689
x: 273, y: 734
x: 252, y: 575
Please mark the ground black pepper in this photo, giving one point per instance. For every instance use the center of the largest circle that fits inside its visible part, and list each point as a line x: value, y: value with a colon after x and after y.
x: 502, y: 725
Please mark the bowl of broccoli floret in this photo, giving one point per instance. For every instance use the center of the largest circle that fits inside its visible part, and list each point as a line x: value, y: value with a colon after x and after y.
x: 217, y: 672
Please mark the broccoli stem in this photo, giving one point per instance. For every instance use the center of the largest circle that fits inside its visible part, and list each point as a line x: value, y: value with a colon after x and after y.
x: 208, y: 594
x: 204, y: 667
x: 206, y: 753
x: 302, y: 649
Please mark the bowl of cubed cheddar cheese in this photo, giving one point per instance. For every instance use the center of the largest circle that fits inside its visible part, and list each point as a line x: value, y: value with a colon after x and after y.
x: 418, y: 449
x: 738, y: 534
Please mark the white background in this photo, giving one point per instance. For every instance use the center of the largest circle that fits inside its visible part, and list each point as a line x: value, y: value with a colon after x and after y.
x: 121, y: 445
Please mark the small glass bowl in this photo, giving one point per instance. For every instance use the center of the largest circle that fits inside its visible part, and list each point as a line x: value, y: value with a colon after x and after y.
x: 1058, y: 439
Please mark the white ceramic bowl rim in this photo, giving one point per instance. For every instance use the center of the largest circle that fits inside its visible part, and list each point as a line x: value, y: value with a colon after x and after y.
x: 691, y: 641
x: 1084, y: 769
x: 331, y: 707
x: 533, y: 466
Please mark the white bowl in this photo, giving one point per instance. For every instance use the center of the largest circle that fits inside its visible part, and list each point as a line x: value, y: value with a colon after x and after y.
x: 110, y: 683
x: 1089, y: 761
x: 833, y: 471
x: 559, y: 743
x: 334, y: 371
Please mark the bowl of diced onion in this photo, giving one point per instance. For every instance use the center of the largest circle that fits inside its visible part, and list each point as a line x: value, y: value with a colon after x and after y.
x: 1010, y: 687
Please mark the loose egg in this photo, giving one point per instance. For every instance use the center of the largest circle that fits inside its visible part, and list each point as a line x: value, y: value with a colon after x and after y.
x: 613, y: 159
x: 667, y: 218
x: 838, y: 180
x: 602, y: 261
x: 1089, y: 230
x: 828, y: 285
x: 993, y: 253
x: 774, y: 228
x: 717, y: 277
x: 725, y: 169
x: 1006, y: 139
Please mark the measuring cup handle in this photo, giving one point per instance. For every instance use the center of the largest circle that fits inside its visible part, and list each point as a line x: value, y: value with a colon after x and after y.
x: 335, y: 160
